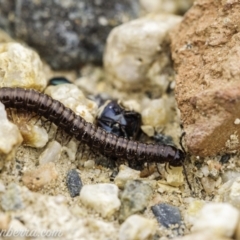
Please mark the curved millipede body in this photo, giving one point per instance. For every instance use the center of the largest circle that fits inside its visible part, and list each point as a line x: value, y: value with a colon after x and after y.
x: 95, y: 137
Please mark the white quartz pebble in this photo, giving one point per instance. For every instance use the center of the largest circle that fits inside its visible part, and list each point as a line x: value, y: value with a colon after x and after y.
x: 10, y: 137
x: 21, y: 67
x: 103, y: 198
x: 136, y: 52
x: 125, y: 174
x: 137, y: 228
x: 51, y: 153
x: 220, y: 218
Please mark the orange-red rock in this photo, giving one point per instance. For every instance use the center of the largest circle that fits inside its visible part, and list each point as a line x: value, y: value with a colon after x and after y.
x: 206, y: 54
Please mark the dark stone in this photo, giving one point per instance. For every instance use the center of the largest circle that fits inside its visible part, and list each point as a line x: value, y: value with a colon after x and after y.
x: 225, y: 158
x: 134, y: 199
x: 74, y: 183
x: 167, y: 215
x: 57, y: 81
x: 66, y: 33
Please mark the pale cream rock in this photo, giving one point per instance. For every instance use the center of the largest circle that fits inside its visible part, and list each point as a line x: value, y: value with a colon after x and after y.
x: 137, y: 228
x: 230, y: 192
x: 157, y: 112
x: 33, y: 135
x: 103, y: 198
x: 169, y: 6
x: 5, y: 219
x: 219, y: 218
x: 37, y: 178
x: 174, y: 176
x: 149, y: 130
x: 44, y: 212
x: 51, y: 154
x: 125, y: 173
x: 20, y: 67
x: 2, y: 187
x: 193, y: 210
x: 71, y: 149
x: 72, y: 97
x: 234, y: 195
x: 89, y: 164
x: 203, y: 235
x: 137, y: 52
x: 10, y: 137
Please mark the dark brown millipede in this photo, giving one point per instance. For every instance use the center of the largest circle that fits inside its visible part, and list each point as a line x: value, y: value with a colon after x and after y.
x: 95, y: 137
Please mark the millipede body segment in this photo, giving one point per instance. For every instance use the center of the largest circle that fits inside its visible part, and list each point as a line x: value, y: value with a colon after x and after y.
x: 95, y: 137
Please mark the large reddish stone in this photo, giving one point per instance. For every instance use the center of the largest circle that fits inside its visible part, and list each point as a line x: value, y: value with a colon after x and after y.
x: 206, y: 54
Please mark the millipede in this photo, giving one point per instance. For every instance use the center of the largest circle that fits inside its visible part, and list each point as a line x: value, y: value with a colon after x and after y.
x: 96, y: 138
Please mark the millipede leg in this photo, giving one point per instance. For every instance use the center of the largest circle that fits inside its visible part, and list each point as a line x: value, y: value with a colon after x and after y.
x: 38, y: 118
x: 158, y: 169
x: 69, y: 138
x: 50, y: 125
x: 31, y: 117
x: 166, y: 167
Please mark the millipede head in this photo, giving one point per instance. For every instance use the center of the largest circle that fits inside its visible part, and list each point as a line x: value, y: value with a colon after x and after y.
x: 178, y: 159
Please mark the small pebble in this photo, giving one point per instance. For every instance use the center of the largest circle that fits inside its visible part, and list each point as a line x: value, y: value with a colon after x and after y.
x: 125, y: 173
x: 74, y: 183
x: 12, y: 199
x: 71, y: 150
x: 51, y: 153
x: 37, y: 178
x: 21, y: 67
x: 193, y: 210
x: 230, y: 192
x: 2, y: 187
x: 208, y: 184
x: 229, y: 175
x: 174, y: 176
x: 103, y: 198
x: 134, y: 199
x: 33, y: 135
x: 5, y: 219
x: 58, y: 80
x: 167, y: 215
x: 225, y: 158
x: 89, y: 164
x: 137, y: 228
x: 219, y: 218
x: 203, y: 235
x: 166, y: 6
x: 14, y: 139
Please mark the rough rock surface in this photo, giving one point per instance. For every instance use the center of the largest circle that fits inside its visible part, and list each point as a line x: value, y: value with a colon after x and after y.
x: 169, y: 6
x: 206, y: 52
x: 138, y: 52
x: 20, y: 67
x: 8, y: 145
x: 65, y: 33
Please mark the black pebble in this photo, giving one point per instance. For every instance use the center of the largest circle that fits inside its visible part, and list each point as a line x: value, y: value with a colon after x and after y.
x: 167, y: 215
x: 57, y: 81
x: 225, y: 158
x: 74, y: 183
